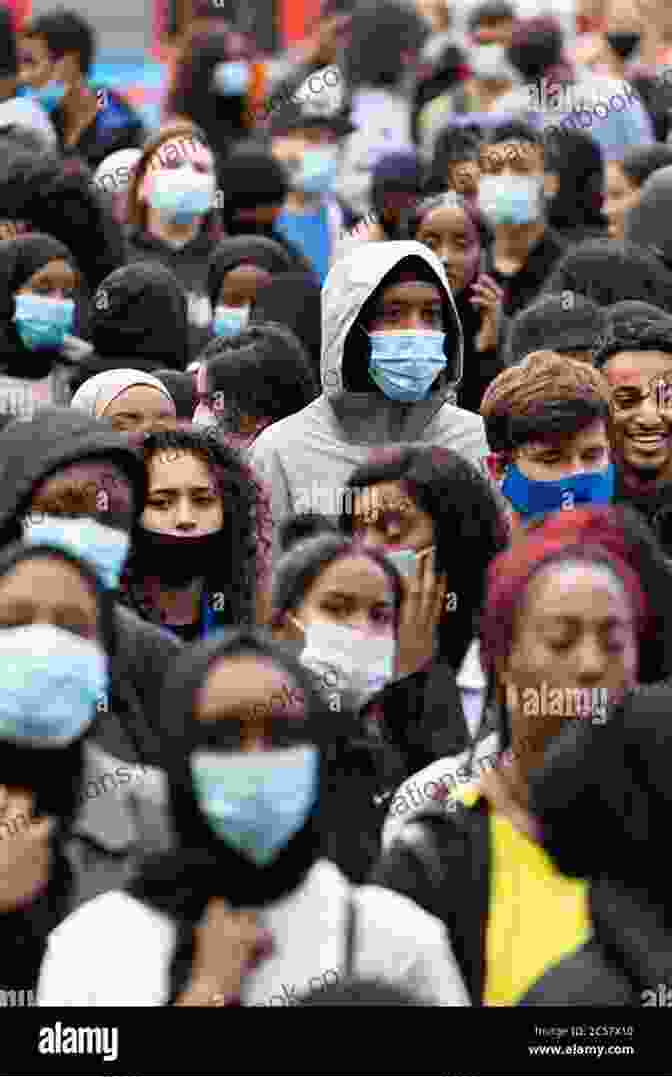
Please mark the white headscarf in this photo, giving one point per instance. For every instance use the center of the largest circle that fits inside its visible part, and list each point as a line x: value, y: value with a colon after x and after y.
x: 98, y: 392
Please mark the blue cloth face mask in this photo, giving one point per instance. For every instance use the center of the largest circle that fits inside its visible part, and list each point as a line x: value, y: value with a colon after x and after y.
x: 42, y: 323
x: 51, y: 683
x: 256, y: 801
x: 231, y: 79
x: 532, y: 497
x: 230, y: 320
x: 106, y: 548
x: 49, y: 96
x: 182, y: 194
x: 405, y: 363
x: 318, y: 171
x: 510, y: 199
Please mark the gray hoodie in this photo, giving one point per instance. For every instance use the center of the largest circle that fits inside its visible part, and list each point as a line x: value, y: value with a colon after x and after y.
x: 308, y: 457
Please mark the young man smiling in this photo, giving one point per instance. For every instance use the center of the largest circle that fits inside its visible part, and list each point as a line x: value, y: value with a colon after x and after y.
x: 636, y: 360
x: 546, y: 424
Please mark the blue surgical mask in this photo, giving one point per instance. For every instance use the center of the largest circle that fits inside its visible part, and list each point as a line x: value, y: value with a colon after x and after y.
x: 318, y: 171
x: 182, y: 194
x: 532, y: 497
x: 256, y: 801
x: 42, y: 323
x: 51, y: 682
x: 230, y: 320
x: 105, y: 547
x: 405, y: 363
x: 510, y: 199
x: 406, y: 561
x: 231, y: 79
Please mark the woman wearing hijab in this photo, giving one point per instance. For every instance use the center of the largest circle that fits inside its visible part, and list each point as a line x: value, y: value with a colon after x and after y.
x: 55, y: 638
x: 560, y: 636
x: 131, y: 401
x: 293, y: 300
x: 238, y: 269
x: 449, y: 226
x: 137, y: 318
x: 199, y: 549
x: 173, y: 216
x: 574, y: 185
x: 39, y: 285
x: 250, y: 722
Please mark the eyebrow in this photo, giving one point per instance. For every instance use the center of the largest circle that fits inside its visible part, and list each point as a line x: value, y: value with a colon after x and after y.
x: 177, y: 490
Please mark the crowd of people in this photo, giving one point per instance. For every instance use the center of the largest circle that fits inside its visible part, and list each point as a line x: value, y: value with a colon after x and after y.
x: 338, y: 409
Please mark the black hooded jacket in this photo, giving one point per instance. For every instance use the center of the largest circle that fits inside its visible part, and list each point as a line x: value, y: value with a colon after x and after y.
x: 612, y: 832
x: 189, y: 264
x: 29, y: 453
x: 138, y: 320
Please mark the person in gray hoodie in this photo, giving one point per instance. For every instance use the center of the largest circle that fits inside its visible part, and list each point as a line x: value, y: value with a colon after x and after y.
x: 391, y: 360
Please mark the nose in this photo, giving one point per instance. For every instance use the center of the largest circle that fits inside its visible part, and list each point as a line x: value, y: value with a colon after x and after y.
x: 359, y: 620
x: 591, y: 661
x: 413, y: 320
x: 185, y: 517
x: 647, y: 413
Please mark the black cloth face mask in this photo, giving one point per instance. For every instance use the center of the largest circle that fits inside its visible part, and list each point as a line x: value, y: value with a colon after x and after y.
x: 176, y: 560
x: 623, y: 43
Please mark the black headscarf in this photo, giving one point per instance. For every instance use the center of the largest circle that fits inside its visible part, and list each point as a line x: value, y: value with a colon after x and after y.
x: 19, y: 259
x: 293, y: 299
x: 140, y: 311
x: 257, y: 250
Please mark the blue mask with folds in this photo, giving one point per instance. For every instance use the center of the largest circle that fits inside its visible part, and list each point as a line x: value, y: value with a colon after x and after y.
x: 52, y: 683
x: 231, y: 79
x: 318, y: 171
x: 49, y: 96
x: 183, y: 194
x: 532, y: 497
x: 42, y: 323
x: 106, y: 548
x: 256, y: 801
x: 230, y: 320
x: 405, y: 363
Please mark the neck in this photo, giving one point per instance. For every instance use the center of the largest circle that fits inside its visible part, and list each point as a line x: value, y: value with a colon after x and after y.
x: 300, y: 202
x: 169, y: 231
x: 516, y: 240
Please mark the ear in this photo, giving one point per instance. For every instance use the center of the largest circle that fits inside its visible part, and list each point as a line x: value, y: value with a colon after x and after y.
x: 496, y: 464
x: 551, y: 184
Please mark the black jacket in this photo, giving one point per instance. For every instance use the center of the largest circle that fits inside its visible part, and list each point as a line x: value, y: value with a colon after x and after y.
x: 655, y: 507
x: 116, y: 126
x: 521, y: 288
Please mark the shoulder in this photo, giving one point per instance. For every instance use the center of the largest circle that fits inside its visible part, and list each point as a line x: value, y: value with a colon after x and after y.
x: 145, y: 635
x: 280, y: 434
x: 583, y: 978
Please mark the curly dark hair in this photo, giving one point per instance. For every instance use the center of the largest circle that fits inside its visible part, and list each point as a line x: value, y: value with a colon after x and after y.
x: 634, y: 331
x: 240, y: 538
x: 610, y: 272
x: 469, y: 527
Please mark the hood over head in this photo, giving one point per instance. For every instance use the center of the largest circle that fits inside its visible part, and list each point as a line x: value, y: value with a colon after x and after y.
x: 141, y: 309
x: 649, y: 223
x: 369, y: 417
x: 246, y: 249
x: 30, y: 452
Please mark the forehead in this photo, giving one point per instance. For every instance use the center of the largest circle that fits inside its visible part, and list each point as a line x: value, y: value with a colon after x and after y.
x: 597, y: 431
x: 242, y: 683
x: 561, y: 589
x: 140, y: 396
x: 34, y: 48
x: 247, y: 274
x: 636, y: 368
x: 40, y: 575
x: 58, y: 268
x: 512, y: 152
x: 411, y: 291
x: 355, y: 574
x: 185, y: 148
x: 447, y: 219
x: 175, y: 467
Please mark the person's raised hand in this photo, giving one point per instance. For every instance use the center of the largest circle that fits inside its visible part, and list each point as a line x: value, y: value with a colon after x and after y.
x: 421, y: 609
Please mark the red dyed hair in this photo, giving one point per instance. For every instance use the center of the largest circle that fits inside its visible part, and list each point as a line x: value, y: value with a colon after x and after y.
x: 597, y: 540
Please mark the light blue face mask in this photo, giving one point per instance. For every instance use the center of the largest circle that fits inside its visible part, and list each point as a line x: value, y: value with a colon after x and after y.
x: 51, y: 683
x: 106, y: 548
x: 256, y: 801
x: 230, y: 320
x: 318, y: 171
x: 42, y: 323
x: 405, y: 363
x: 231, y: 79
x: 406, y: 561
x: 182, y: 194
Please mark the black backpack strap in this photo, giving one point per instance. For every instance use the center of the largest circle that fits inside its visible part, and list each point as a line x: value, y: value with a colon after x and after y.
x: 350, y: 935
x: 454, y: 851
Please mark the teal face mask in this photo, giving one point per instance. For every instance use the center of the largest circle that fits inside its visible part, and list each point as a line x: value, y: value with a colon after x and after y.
x: 105, y: 547
x: 50, y: 96
x: 230, y: 320
x: 43, y: 323
x: 256, y: 801
x: 318, y: 171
